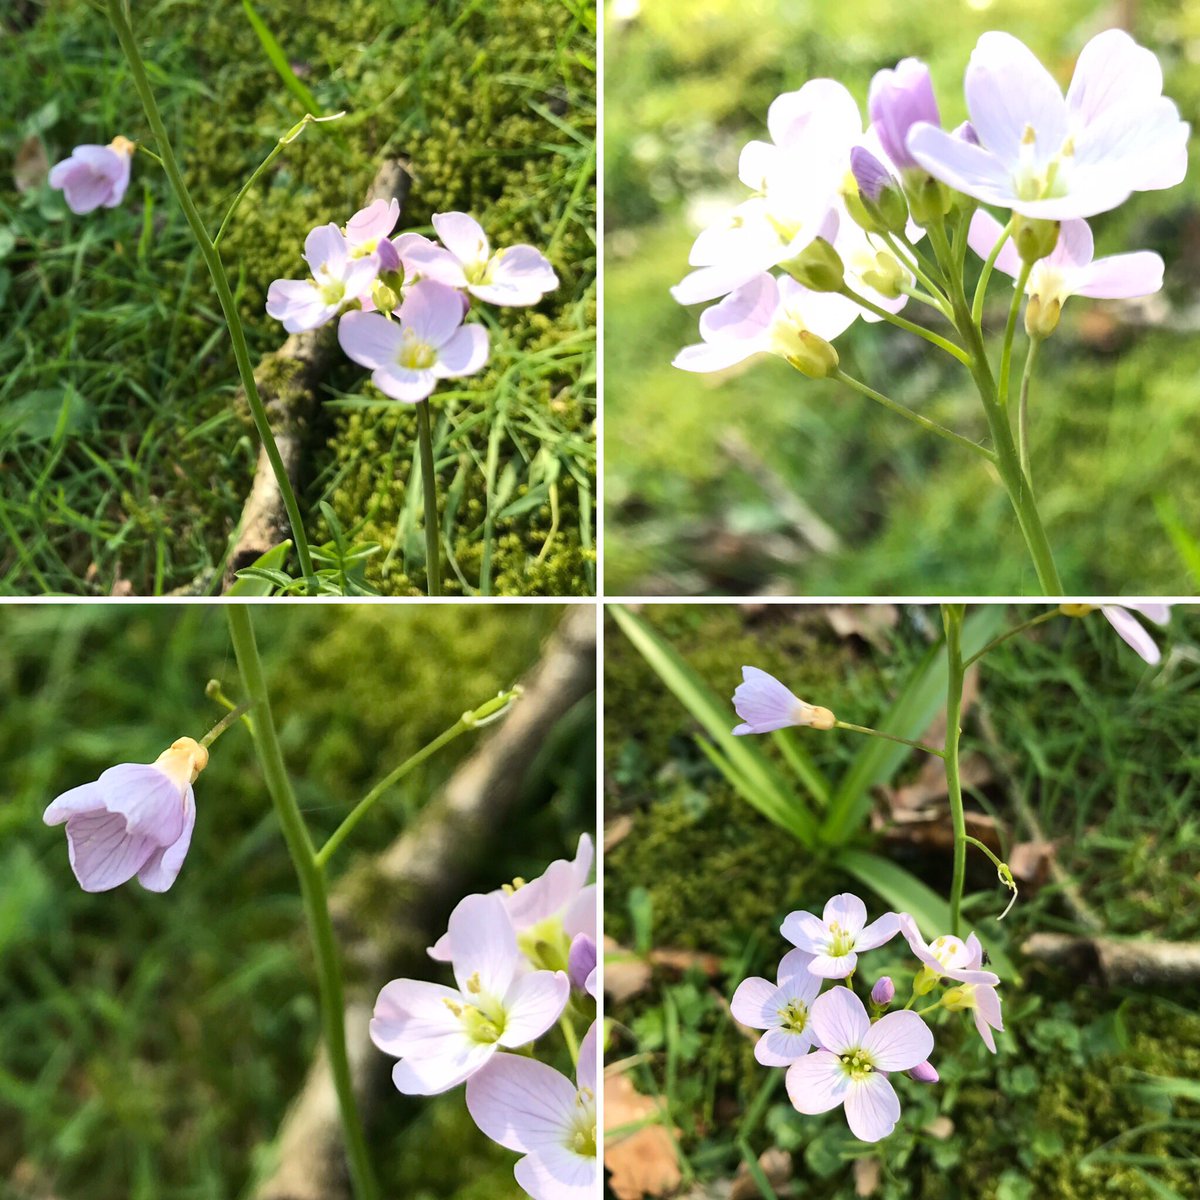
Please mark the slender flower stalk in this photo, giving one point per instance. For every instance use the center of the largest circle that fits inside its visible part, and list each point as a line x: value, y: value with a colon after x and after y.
x: 216, y: 269
x: 433, y: 540
x: 952, y: 620
x: 891, y: 737
x: 311, y: 876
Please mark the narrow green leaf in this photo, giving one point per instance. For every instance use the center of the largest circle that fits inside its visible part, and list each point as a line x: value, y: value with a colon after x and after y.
x: 713, y: 714
x: 261, y: 585
x: 783, y: 815
x: 279, y: 60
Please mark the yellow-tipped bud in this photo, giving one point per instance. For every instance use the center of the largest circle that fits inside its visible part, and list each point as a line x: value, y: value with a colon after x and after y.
x: 1041, y: 317
x: 1033, y: 238
x: 385, y: 298
x: 817, y: 267
x: 811, y: 355
x: 821, y: 718
x: 886, y: 276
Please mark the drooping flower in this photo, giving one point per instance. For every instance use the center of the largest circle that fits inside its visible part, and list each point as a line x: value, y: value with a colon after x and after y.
x: 1121, y: 618
x: 795, y: 180
x: 515, y: 275
x: 427, y: 342
x: 368, y: 230
x: 899, y: 99
x: 838, y: 935
x: 136, y: 819
x: 852, y: 1064
x: 948, y: 955
x: 770, y: 316
x: 782, y: 1008
x: 531, y: 1108
x: 1055, y: 158
x: 338, y: 279
x: 94, y: 176
x: 1069, y: 270
x: 443, y: 1035
x: 764, y: 705
x: 547, y: 912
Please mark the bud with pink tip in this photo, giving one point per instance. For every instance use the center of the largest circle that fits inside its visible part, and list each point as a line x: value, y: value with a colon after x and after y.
x: 884, y: 992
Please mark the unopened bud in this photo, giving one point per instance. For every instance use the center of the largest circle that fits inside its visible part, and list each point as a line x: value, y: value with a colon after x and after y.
x: 923, y: 1073
x: 817, y: 267
x: 822, y: 718
x: 886, y: 276
x: 928, y: 200
x: 581, y: 961
x: 1033, y: 238
x: 884, y: 992
x: 388, y: 257
x: 876, y: 202
x: 815, y: 357
x: 384, y: 297
x: 925, y: 981
x: 1041, y: 316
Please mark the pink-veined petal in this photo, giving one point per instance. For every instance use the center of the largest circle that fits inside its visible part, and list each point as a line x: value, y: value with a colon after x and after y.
x: 872, y: 1107
x: 846, y: 910
x: 881, y: 930
x: 88, y: 797
x: 533, y: 1003
x: 834, y: 966
x: 102, y: 854
x: 839, y: 1020
x: 483, y: 946
x: 705, y: 357
x: 162, y: 868
x: 433, y: 311
x: 817, y: 1083
x: 806, y: 931
x: 404, y: 383
x: 325, y: 247
x: 765, y: 704
x: 465, y: 353
x: 984, y: 233
x: 781, y: 1047
x: 370, y: 339
x: 795, y: 974
x: 558, y: 1173
x: 746, y: 313
x: 1121, y: 276
x: 966, y: 168
x: 148, y: 800
x: 898, y: 1041
x: 588, y: 1066
x: 755, y: 1003
x: 463, y: 236
x: 374, y: 222
x: 413, y: 1016
x: 520, y: 1103
x: 431, y: 1076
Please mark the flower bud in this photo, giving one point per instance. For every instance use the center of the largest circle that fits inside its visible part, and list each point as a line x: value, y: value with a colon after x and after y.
x: 928, y: 200
x: 822, y: 718
x: 887, y: 276
x: 898, y: 100
x: 384, y: 297
x: 878, y: 205
x: 884, y: 992
x: 966, y: 133
x: 925, y: 981
x: 1041, y: 316
x: 581, y: 961
x: 388, y: 257
x: 817, y: 267
x: 1034, y: 238
x: 815, y: 357
x: 923, y: 1073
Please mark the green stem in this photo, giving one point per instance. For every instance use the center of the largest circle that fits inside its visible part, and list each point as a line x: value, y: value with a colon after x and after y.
x: 1010, y: 329
x: 313, y: 892
x: 891, y: 737
x: 569, y: 1036
x: 216, y: 269
x: 912, y: 263
x: 910, y: 415
x: 433, y: 542
x: 470, y: 720
x: 920, y: 330
x: 234, y: 714
x: 1040, y: 619
x: 952, y: 619
x: 1023, y: 414
x: 986, y: 274
x: 1007, y: 461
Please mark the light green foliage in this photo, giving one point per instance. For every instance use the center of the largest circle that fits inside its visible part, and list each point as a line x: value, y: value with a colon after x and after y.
x: 151, y: 1044
x: 1114, y: 417
x: 1102, y: 749
x: 491, y: 104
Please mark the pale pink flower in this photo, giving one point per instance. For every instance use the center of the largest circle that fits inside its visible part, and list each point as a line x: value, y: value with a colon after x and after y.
x: 765, y: 704
x: 338, y: 279
x: 948, y: 956
x: 529, y: 1107
x: 136, y: 819
x: 782, y: 1008
x: 94, y: 176
x: 899, y: 99
x: 836, y: 938
x: 368, y: 230
x: 426, y: 343
x: 852, y: 1064
x: 515, y: 275
x: 768, y: 316
x: 1121, y: 618
x: 1050, y: 157
x: 443, y: 1035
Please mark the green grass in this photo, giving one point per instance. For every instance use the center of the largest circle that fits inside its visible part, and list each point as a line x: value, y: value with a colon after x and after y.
x: 1100, y: 748
x: 1114, y: 416
x: 150, y: 1045
x: 124, y: 461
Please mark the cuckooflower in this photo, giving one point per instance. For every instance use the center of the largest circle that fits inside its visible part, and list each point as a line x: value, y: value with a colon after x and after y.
x: 136, y: 819
x: 426, y: 343
x: 1050, y: 157
x: 94, y: 176
x: 547, y: 912
x: 852, y: 1063
x: 531, y: 1108
x: 948, y: 956
x: 337, y: 279
x: 515, y: 275
x: 770, y: 316
x: 836, y: 938
x: 369, y: 228
x: 898, y: 100
x: 782, y: 1008
x: 1068, y: 270
x: 764, y: 705
x: 443, y: 1035
x: 1121, y: 618
x: 581, y: 963
x: 795, y: 180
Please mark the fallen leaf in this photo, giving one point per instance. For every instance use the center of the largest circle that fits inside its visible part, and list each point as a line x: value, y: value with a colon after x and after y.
x: 616, y: 831
x: 30, y: 166
x: 625, y: 975
x: 869, y: 622
x: 940, y: 1128
x: 641, y: 1162
x: 1030, y: 861
x: 776, y: 1165
x: 866, y: 1176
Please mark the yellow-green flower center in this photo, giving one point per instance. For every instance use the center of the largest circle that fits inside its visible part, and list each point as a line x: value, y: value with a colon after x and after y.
x: 415, y: 354
x: 1041, y: 181
x: 793, y: 1016
x: 581, y: 1135
x: 857, y: 1063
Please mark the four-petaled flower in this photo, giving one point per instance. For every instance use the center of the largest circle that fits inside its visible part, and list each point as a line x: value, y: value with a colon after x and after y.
x: 427, y: 342
x: 782, y: 1008
x: 136, y: 819
x: 338, y: 279
x: 948, y: 956
x: 852, y: 1064
x: 369, y: 228
x: 765, y: 704
x: 443, y: 1035
x: 94, y: 176
x: 835, y: 938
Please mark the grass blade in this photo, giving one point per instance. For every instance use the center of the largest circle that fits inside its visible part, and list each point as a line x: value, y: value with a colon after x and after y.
x: 279, y: 60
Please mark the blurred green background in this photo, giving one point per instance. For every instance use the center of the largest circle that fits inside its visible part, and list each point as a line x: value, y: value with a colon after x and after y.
x: 708, y: 479
x: 150, y: 1044
x: 124, y: 462
x: 1093, y: 1091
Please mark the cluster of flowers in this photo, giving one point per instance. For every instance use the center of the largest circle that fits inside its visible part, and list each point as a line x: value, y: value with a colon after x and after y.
x: 835, y: 1052
x: 403, y: 301
x: 829, y: 199
x: 522, y: 958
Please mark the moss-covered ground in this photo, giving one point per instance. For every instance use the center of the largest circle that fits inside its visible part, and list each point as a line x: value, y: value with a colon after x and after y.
x: 125, y: 461
x: 150, y: 1045
x: 708, y: 477
x: 1092, y: 1092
